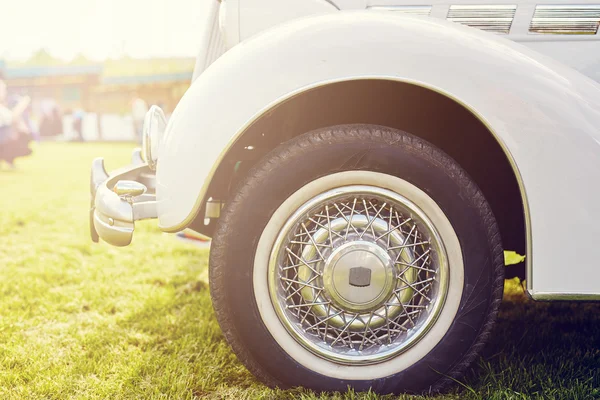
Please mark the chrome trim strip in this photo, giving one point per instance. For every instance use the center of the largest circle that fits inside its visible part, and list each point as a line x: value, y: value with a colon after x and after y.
x: 409, y: 10
x: 555, y: 296
x: 490, y: 18
x: 566, y: 19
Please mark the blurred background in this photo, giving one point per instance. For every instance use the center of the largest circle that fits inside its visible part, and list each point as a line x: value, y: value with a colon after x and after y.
x: 85, y: 320
x: 91, y: 69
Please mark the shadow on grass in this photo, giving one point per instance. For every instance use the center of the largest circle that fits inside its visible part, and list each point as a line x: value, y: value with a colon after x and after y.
x: 544, y: 350
x: 548, y: 350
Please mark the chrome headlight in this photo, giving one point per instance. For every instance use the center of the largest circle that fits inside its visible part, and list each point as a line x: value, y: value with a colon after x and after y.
x: 155, y: 124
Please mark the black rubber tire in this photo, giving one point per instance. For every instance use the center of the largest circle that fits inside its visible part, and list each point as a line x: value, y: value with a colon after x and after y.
x: 337, y: 149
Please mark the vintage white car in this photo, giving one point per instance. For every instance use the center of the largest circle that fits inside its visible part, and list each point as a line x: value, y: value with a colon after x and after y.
x: 361, y: 165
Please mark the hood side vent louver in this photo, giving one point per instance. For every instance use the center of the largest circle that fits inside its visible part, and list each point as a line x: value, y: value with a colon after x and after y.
x: 566, y: 19
x: 490, y: 18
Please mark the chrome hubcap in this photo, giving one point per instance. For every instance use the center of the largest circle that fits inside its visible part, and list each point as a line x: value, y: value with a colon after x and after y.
x: 358, y: 275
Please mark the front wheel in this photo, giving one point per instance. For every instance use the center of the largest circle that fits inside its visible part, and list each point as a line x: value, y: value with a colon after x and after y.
x: 357, y: 256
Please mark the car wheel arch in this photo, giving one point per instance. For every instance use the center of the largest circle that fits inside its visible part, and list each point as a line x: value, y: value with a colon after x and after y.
x: 425, y: 112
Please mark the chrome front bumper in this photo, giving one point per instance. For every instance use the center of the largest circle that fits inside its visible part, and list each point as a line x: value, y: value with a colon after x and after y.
x: 112, y: 215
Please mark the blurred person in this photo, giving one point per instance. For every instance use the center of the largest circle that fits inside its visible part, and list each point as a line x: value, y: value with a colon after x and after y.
x: 78, y: 115
x: 28, y: 117
x: 57, y: 121
x: 14, y: 130
x: 139, y: 108
x: 51, y: 123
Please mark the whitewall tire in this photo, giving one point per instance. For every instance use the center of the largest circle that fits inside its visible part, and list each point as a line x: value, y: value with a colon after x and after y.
x: 357, y: 256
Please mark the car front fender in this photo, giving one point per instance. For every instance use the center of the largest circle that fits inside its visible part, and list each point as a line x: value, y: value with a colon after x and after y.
x: 545, y: 116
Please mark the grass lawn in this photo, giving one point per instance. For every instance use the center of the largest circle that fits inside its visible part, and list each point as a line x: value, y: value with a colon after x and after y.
x: 84, y: 320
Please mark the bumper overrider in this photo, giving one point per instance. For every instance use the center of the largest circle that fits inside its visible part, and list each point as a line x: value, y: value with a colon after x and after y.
x: 129, y: 193
x: 119, y: 199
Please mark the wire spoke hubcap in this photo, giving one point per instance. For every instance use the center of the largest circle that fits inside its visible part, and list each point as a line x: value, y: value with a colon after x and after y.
x: 358, y: 274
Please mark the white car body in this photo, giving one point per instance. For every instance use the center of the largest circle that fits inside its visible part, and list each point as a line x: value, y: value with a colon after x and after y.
x: 540, y: 99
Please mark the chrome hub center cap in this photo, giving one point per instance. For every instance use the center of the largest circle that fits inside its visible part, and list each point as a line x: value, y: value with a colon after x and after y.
x: 359, y: 276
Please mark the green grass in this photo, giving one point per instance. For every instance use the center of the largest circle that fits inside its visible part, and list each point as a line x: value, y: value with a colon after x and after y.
x: 90, y: 321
